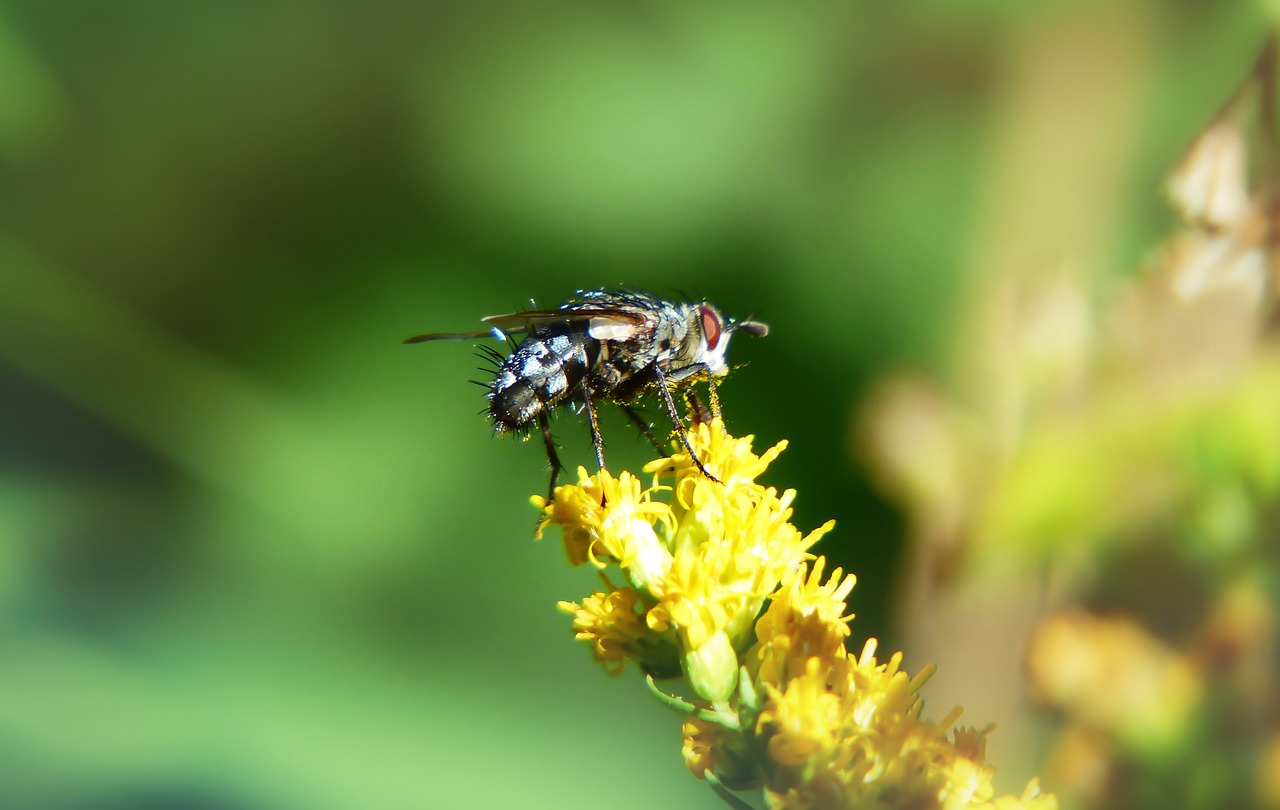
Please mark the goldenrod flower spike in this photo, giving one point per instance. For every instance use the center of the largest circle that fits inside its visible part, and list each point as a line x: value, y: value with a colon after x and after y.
x: 719, y: 588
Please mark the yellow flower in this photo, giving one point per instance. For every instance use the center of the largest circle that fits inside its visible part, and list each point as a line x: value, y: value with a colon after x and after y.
x: 840, y: 730
x: 702, y: 564
x: 700, y: 747
x: 803, y: 721
x: 719, y: 589
x: 728, y: 458
x: 612, y: 624
x: 816, y: 727
x: 607, y: 519
x: 711, y: 749
x: 806, y: 619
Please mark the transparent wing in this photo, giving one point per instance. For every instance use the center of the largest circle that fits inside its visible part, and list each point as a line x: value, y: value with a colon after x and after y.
x: 602, y: 323
x: 520, y: 321
x: 449, y: 336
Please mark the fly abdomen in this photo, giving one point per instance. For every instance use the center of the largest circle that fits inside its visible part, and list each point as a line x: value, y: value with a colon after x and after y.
x: 543, y: 371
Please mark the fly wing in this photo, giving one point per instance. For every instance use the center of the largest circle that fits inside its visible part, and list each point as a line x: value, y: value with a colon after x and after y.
x: 602, y: 323
x: 448, y: 336
x: 502, y: 325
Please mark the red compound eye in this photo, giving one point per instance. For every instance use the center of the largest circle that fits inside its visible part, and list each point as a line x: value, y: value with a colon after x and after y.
x: 711, y: 326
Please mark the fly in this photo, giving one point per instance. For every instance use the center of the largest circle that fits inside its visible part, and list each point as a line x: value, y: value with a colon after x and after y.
x: 605, y: 346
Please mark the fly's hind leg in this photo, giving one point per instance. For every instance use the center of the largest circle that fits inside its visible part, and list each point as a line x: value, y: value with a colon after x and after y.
x: 670, y: 405
x: 544, y: 424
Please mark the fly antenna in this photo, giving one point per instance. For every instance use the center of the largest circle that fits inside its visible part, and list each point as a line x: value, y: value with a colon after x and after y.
x: 750, y: 325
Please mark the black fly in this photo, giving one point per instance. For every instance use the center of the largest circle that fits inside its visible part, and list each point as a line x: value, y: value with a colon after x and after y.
x: 605, y: 345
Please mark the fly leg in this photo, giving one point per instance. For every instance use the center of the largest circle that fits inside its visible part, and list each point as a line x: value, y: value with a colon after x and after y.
x: 596, y: 441
x: 699, y: 412
x: 645, y: 428
x: 670, y: 405
x: 544, y: 424
x: 594, y: 421
x: 714, y: 396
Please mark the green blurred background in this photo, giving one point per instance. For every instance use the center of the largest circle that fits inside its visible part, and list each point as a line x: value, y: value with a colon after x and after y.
x: 255, y: 554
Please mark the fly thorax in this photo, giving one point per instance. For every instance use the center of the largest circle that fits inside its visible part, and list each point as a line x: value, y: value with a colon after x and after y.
x: 676, y: 342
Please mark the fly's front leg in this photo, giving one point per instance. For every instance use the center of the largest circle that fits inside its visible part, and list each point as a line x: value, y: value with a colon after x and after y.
x: 714, y: 396
x: 699, y: 412
x: 670, y: 405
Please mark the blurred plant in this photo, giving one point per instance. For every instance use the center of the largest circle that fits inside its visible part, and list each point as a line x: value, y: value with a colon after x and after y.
x: 31, y: 106
x: 776, y: 702
x: 1132, y: 453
